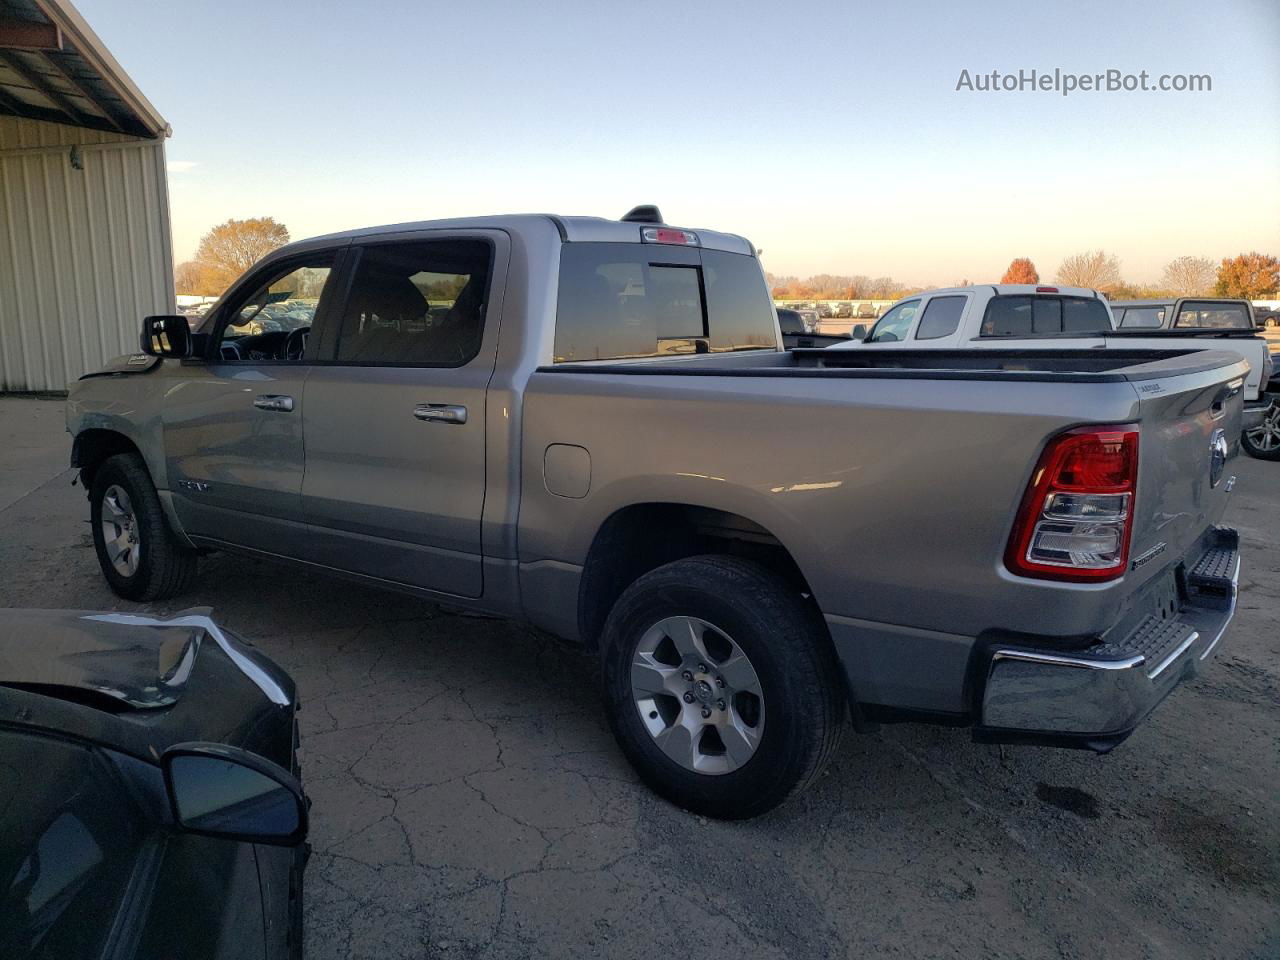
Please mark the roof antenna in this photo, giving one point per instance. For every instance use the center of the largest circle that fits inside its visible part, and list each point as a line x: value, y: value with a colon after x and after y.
x: 645, y: 213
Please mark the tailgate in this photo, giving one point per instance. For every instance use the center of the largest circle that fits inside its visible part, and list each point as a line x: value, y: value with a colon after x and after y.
x: 1190, y: 436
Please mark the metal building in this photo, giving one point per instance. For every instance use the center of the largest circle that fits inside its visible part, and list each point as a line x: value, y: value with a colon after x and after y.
x: 85, y: 244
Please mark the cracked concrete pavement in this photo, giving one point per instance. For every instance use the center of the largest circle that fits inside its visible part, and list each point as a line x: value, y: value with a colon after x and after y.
x: 469, y: 801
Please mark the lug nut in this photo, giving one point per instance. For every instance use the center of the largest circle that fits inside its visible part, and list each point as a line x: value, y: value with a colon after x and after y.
x: 687, y: 675
x: 688, y: 698
x: 706, y: 712
x: 720, y: 704
x: 702, y: 668
x: 719, y: 681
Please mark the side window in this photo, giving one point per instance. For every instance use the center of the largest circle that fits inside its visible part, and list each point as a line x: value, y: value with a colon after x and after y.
x: 893, y: 326
x: 941, y: 317
x: 274, y: 321
x: 416, y: 304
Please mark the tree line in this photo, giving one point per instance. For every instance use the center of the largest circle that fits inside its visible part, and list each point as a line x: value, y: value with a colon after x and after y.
x: 231, y: 248
x: 1249, y: 276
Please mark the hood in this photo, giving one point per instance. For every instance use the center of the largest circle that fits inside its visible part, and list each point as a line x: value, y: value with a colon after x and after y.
x: 86, y: 655
x: 126, y: 364
x: 139, y: 684
x: 137, y: 661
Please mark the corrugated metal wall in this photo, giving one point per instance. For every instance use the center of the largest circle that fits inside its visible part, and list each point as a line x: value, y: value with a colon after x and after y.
x: 84, y: 254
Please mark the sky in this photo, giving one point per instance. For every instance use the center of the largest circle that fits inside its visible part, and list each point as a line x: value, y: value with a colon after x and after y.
x: 832, y: 134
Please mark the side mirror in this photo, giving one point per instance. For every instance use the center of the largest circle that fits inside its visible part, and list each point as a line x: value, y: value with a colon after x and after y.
x: 222, y: 791
x: 859, y: 331
x: 166, y: 336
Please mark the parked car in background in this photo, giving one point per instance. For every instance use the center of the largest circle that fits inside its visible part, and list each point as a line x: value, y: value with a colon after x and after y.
x: 149, y: 801
x: 1206, y: 315
x: 1011, y: 317
x: 810, y: 318
x: 793, y: 323
x: 843, y: 311
x: 1186, y: 313
x: 797, y: 331
x: 1266, y: 317
x: 757, y: 544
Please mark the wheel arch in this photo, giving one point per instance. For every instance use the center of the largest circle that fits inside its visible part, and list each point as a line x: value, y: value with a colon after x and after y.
x: 640, y: 537
x: 92, y: 447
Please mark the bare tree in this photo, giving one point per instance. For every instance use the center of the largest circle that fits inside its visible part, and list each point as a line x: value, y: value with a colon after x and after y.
x: 187, y: 278
x: 1189, y: 276
x: 1096, y: 269
x: 231, y: 248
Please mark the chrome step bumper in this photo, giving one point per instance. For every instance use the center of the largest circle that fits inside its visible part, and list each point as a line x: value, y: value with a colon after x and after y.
x: 1095, y: 697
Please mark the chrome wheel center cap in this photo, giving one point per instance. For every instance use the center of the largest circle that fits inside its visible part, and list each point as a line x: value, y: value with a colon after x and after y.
x: 702, y: 690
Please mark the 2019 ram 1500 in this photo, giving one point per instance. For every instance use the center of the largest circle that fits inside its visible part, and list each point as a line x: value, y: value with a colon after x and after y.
x: 589, y: 425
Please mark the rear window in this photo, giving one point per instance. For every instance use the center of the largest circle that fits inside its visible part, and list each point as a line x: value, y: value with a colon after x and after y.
x: 1142, y: 317
x: 630, y: 300
x: 1028, y: 316
x: 1206, y: 314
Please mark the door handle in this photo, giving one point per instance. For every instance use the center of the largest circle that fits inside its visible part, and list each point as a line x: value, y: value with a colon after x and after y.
x: 441, y: 412
x: 272, y: 401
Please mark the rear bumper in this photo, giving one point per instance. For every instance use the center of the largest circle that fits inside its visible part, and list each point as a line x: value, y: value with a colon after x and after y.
x: 1094, y: 698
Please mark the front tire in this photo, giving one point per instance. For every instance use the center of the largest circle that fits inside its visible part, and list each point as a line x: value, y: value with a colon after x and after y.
x: 139, y: 555
x: 1263, y: 442
x: 721, y: 686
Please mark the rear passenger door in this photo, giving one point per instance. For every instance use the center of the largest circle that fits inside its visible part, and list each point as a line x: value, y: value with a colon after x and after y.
x: 395, y: 412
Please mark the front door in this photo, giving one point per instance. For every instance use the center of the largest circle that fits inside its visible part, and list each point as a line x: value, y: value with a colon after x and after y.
x: 233, y: 420
x: 395, y: 413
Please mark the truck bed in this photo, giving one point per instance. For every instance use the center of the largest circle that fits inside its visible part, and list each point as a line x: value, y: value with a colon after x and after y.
x: 1062, y: 365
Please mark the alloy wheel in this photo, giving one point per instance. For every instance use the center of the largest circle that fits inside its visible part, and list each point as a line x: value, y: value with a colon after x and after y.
x: 120, y: 536
x: 698, y: 695
x: 1266, y: 436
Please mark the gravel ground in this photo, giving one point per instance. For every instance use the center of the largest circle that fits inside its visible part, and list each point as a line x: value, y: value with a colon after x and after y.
x: 469, y: 801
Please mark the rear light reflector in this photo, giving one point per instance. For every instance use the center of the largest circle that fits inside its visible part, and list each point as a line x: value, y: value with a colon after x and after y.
x: 1046, y: 289
x: 667, y: 235
x: 1076, y: 518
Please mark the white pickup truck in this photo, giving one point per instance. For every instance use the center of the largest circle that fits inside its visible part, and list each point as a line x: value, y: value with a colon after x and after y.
x: 1016, y: 317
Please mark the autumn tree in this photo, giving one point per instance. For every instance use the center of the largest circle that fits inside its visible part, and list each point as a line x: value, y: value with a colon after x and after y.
x: 1250, y: 276
x: 1188, y: 276
x: 231, y: 248
x: 1021, y: 270
x: 1096, y: 269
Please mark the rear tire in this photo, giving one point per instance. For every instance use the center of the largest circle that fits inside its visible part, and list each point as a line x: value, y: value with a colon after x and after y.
x: 139, y: 555
x: 1263, y: 442
x: 782, y: 712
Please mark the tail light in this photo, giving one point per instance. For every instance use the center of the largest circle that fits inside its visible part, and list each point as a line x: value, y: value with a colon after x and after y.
x: 1076, y: 518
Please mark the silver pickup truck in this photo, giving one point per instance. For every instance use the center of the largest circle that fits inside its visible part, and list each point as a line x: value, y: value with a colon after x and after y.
x: 589, y: 425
